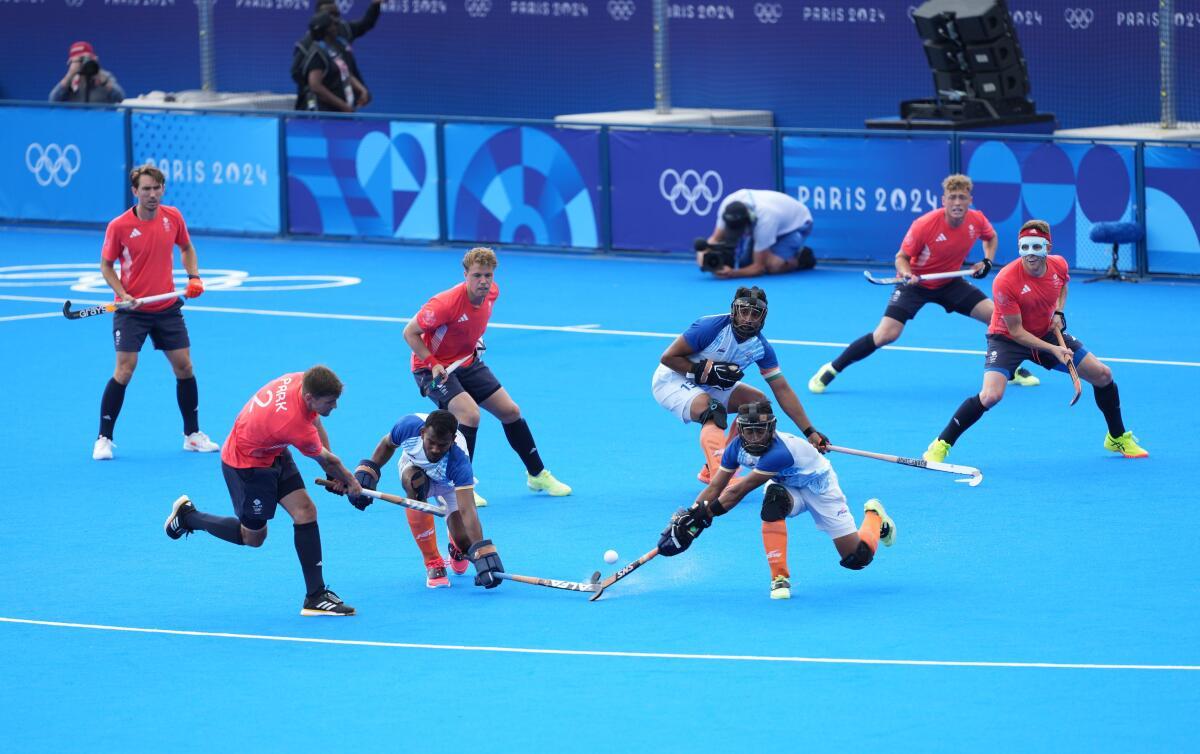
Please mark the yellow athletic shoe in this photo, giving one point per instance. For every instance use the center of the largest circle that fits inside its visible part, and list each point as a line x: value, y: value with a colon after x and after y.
x: 822, y: 378
x: 937, y: 451
x: 544, y: 482
x: 887, y: 532
x: 1126, y: 445
x: 781, y: 588
x: 1024, y: 378
x: 480, y: 500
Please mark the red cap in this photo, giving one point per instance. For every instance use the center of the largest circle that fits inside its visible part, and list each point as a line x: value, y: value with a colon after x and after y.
x: 1035, y: 232
x: 80, y: 48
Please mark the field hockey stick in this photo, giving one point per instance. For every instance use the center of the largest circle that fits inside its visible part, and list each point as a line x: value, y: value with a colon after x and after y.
x: 574, y: 586
x: 92, y: 311
x: 1070, y: 368
x: 916, y: 278
x: 449, y: 370
x: 404, y: 502
x: 622, y: 574
x: 974, y: 474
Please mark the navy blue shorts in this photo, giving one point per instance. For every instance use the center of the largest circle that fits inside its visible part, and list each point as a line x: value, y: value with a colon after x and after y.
x: 476, y: 381
x: 256, y: 492
x: 958, y: 296
x: 1004, y: 354
x: 166, y: 329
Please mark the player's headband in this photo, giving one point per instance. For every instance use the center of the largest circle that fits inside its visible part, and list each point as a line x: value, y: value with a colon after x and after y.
x: 1033, y: 243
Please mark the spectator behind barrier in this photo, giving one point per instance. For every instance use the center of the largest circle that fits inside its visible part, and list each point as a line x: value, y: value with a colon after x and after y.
x: 85, y: 80
x: 346, y: 32
x: 758, y: 232
x: 331, y: 86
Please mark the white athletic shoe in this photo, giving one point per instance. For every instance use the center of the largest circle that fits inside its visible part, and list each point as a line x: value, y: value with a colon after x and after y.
x: 103, y: 449
x: 197, y: 442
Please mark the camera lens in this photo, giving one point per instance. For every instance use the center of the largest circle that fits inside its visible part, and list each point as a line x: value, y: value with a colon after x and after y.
x: 89, y: 67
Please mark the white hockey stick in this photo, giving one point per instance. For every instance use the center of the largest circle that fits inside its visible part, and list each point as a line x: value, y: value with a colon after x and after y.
x: 917, y: 278
x: 974, y: 475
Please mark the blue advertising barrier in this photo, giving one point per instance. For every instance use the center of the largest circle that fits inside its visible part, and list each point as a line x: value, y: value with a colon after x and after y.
x: 63, y: 164
x: 523, y: 184
x: 1071, y: 186
x: 1172, y: 209
x: 222, y: 171
x: 864, y: 193
x: 375, y: 179
x: 667, y: 185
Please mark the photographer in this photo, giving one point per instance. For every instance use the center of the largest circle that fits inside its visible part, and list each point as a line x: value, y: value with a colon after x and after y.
x: 85, y: 80
x: 758, y: 232
x: 345, y: 32
x: 331, y: 85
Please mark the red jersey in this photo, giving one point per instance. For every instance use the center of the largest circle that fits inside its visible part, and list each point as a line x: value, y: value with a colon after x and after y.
x: 143, y: 248
x: 1015, y: 291
x: 933, y: 246
x: 274, y: 418
x: 451, y: 326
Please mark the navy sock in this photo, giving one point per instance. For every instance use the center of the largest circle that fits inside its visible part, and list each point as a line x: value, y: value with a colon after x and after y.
x: 308, y: 549
x: 189, y: 401
x: 469, y: 433
x: 856, y: 351
x: 521, y: 440
x: 966, y: 415
x: 1109, y: 401
x: 227, y: 528
x: 110, y: 407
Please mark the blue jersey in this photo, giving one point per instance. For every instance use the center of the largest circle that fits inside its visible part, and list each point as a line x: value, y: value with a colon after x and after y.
x: 712, y: 338
x: 454, y: 469
x: 790, y: 460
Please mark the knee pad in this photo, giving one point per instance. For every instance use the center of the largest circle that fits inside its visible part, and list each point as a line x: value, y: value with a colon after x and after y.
x: 859, y: 559
x: 716, y: 412
x: 417, y: 483
x: 777, y: 503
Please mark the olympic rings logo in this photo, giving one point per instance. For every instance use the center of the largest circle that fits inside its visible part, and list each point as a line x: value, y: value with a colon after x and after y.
x: 621, y: 10
x: 1079, y: 18
x: 52, y: 163
x: 690, y: 191
x: 477, y: 8
x: 768, y: 13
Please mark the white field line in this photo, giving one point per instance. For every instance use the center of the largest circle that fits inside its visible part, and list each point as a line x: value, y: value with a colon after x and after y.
x: 601, y: 653
x: 586, y: 329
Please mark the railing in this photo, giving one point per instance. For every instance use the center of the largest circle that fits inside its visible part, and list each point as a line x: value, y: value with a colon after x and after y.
x: 586, y: 188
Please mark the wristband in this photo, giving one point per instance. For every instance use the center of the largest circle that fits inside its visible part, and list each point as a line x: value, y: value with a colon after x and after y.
x: 193, y: 277
x: 809, y: 431
x: 716, y: 509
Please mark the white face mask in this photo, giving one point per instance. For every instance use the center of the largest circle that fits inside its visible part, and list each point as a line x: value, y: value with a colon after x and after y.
x: 1032, y: 246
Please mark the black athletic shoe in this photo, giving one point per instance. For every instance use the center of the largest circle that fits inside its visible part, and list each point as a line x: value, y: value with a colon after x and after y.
x: 325, y: 603
x: 179, y: 511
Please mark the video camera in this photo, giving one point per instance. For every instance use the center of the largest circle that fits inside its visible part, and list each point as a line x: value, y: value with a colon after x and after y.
x: 715, y: 256
x: 88, y: 66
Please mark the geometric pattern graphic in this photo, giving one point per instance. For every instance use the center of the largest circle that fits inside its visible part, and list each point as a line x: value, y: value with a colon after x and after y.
x: 523, y: 185
x: 222, y: 171
x: 372, y: 178
x: 1173, y: 209
x: 1072, y: 186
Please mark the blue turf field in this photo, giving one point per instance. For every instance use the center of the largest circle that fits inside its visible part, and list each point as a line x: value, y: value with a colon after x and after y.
x: 1066, y: 555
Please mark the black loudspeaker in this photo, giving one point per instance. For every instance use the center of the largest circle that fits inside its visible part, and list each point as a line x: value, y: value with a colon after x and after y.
x: 971, y: 47
x: 966, y: 22
x: 1008, y: 83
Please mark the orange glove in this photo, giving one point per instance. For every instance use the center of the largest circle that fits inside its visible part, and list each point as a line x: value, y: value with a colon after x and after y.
x: 194, y: 287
